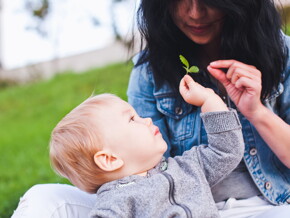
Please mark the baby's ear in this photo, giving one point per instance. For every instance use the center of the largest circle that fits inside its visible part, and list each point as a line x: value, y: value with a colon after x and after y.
x: 108, y: 161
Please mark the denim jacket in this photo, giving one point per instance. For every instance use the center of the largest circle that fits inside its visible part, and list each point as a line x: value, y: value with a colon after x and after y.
x: 181, y: 126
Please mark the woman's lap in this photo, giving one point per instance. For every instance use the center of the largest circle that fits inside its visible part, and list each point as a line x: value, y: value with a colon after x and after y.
x: 63, y: 201
x: 279, y: 212
x: 254, y: 207
x: 54, y: 201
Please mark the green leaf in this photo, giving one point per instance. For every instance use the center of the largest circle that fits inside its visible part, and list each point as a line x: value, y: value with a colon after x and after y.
x: 185, y: 68
x: 194, y: 69
x: 184, y: 61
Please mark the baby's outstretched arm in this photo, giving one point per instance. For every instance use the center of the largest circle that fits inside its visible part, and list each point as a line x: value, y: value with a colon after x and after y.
x: 195, y: 94
x: 225, y: 146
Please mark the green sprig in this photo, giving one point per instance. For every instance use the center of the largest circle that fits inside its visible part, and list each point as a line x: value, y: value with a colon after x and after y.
x: 192, y: 69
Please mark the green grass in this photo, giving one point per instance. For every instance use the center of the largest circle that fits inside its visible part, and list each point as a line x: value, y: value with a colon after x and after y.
x: 27, y: 116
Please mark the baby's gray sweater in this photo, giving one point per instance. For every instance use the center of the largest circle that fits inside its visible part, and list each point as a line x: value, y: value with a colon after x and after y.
x: 179, y: 186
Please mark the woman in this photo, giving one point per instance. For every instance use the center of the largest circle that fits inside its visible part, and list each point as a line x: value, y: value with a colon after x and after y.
x: 243, y: 55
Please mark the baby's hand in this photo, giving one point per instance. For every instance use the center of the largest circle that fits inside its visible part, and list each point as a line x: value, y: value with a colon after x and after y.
x: 192, y: 92
x: 195, y: 94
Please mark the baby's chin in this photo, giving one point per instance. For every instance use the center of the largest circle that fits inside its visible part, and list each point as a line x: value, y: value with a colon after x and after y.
x: 164, y: 148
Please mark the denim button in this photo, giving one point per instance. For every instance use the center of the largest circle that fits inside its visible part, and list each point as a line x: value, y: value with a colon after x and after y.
x: 268, y: 185
x: 178, y: 110
x: 253, y: 151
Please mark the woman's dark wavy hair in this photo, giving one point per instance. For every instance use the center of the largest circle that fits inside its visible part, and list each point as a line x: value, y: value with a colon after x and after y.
x: 251, y: 34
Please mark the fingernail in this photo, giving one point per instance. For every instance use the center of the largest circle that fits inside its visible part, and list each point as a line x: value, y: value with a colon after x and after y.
x: 213, y: 63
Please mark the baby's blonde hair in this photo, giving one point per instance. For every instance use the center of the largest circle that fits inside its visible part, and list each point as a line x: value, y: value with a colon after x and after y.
x: 75, y: 140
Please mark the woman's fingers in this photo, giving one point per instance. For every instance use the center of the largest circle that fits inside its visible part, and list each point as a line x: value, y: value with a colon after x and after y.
x: 235, y: 71
x: 233, y: 65
x: 253, y: 87
x: 239, y: 73
x: 219, y: 75
x: 242, y: 82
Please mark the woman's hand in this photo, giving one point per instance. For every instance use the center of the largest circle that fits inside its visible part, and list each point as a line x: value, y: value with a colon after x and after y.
x: 195, y: 94
x: 242, y: 82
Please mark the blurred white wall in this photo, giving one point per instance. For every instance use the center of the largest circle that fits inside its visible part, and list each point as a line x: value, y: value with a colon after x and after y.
x: 114, y: 52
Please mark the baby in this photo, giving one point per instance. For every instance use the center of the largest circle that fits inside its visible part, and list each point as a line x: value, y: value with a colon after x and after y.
x: 103, y: 146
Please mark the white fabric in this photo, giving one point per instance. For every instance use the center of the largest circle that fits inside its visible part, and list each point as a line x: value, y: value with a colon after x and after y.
x: 254, y: 207
x: 65, y: 201
x: 54, y: 201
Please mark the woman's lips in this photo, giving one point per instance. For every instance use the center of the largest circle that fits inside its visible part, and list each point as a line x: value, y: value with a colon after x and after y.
x: 200, y: 29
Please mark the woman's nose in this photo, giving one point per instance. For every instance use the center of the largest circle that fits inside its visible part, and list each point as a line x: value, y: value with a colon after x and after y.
x: 197, y: 9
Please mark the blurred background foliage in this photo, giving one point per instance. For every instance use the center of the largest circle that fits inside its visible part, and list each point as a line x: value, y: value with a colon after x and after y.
x: 285, y: 12
x: 40, y: 10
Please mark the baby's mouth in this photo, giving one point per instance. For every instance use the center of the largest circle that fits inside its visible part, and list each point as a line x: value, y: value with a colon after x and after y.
x: 156, y: 131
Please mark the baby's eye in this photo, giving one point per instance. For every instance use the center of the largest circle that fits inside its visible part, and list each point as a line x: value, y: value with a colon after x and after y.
x: 132, y: 118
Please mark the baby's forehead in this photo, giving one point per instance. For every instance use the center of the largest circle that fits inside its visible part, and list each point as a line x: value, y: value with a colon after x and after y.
x: 102, y: 99
x: 107, y: 101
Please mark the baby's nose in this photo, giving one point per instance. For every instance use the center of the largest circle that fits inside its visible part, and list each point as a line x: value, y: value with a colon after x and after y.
x: 148, y: 121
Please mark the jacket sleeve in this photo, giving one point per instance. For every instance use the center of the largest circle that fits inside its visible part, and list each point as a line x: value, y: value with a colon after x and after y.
x: 141, y: 96
x: 284, y: 98
x: 225, y: 146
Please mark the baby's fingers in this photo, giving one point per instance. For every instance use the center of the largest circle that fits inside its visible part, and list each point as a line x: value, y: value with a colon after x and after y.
x: 188, y: 81
x: 185, y: 82
x: 187, y: 85
x: 183, y: 87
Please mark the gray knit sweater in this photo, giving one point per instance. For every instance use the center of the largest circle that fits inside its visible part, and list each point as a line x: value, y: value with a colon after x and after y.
x: 179, y: 186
